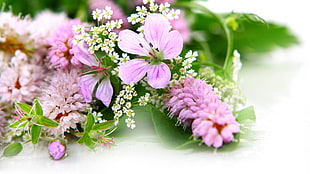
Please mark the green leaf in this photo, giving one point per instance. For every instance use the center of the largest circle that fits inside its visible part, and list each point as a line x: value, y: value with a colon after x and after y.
x: 246, y: 114
x: 90, y: 122
x: 38, y: 107
x: 104, y: 125
x: 170, y: 135
x: 26, y: 108
x: 35, y: 133
x: 89, y: 142
x: 12, y: 149
x: 18, y: 123
x: 41, y: 120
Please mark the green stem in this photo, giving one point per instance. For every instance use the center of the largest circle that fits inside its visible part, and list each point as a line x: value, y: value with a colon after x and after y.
x: 208, y: 64
x: 229, y: 36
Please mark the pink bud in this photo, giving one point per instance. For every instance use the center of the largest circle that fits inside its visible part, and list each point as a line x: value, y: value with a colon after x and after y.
x: 57, y: 150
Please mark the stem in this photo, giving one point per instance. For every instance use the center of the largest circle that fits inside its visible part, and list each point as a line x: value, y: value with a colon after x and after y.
x: 208, y: 64
x: 227, y: 31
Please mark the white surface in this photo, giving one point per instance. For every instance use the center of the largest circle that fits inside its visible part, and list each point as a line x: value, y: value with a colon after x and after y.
x: 277, y: 85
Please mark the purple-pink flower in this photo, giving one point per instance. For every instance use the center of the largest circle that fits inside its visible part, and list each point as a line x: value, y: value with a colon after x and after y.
x: 57, y: 150
x: 157, y: 44
x: 98, y: 75
x: 196, y: 104
x: 63, y: 52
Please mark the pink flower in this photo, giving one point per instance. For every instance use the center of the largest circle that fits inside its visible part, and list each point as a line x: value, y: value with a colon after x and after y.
x: 62, y: 101
x: 181, y: 25
x: 57, y: 150
x: 157, y: 44
x: 196, y: 104
x: 99, y: 75
x: 63, y: 52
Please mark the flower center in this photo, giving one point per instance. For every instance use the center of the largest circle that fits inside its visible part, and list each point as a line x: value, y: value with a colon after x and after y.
x: 156, y: 56
x: 11, y: 45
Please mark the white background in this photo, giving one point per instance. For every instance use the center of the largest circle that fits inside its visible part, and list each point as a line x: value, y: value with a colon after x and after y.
x: 277, y: 85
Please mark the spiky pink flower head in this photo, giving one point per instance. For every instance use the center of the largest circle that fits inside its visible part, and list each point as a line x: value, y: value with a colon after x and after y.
x: 196, y: 104
x: 63, y: 52
x: 117, y: 11
x: 158, y: 44
x: 20, y: 81
x: 62, y: 101
x: 57, y: 150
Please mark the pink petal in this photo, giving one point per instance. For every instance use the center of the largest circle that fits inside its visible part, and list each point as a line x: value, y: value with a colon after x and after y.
x: 105, y: 91
x: 87, y: 84
x: 133, y: 70
x: 82, y: 54
x: 218, y: 141
x: 133, y: 43
x: 156, y: 28
x: 158, y: 76
x: 172, y: 45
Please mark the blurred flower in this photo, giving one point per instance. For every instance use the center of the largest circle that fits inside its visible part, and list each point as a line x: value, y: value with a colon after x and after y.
x: 15, y: 35
x: 20, y: 81
x: 117, y: 11
x: 63, y: 52
x: 44, y: 25
x: 62, y: 101
x: 159, y: 44
x: 2, y: 123
x: 57, y: 150
x: 196, y: 104
x: 180, y: 24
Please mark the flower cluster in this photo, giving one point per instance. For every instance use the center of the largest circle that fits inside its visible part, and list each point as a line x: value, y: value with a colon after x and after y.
x: 99, y: 38
x: 196, y: 105
x: 123, y: 105
x: 228, y: 91
x: 70, y: 79
x: 63, y: 102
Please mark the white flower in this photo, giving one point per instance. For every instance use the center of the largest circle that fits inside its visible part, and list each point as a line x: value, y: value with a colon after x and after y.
x: 97, y: 14
x: 133, y: 19
x: 130, y: 123
x: 142, y: 11
x: 148, y: 1
x: 153, y: 7
x: 107, y: 13
x: 173, y: 14
x: 164, y: 8
x: 236, y: 65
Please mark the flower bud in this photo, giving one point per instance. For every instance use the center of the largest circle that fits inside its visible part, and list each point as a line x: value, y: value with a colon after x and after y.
x: 57, y: 149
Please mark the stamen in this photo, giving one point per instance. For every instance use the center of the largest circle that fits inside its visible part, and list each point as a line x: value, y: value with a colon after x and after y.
x: 151, y: 45
x: 141, y: 45
x: 157, y: 49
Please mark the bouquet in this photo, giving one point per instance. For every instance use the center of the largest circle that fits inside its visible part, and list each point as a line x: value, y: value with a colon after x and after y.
x: 86, y: 79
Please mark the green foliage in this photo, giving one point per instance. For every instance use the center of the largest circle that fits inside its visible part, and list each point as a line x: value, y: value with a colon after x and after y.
x: 176, y: 137
x: 168, y: 132
x: 12, y: 150
x: 96, y: 133
x: 35, y: 133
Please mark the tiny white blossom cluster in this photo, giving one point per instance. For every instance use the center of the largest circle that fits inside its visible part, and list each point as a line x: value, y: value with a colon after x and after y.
x: 186, y: 69
x: 123, y: 105
x: 101, y: 37
x: 119, y: 61
x: 151, y: 7
x: 100, y: 14
x: 236, y: 64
